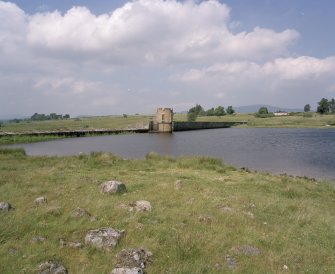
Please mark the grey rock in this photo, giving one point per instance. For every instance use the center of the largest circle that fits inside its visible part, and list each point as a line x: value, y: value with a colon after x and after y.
x: 123, y: 270
x: 81, y: 212
x: 62, y: 242
x: 76, y: 244
x: 177, y: 185
x: 38, y: 239
x: 5, y: 206
x: 51, y: 267
x: 218, y: 266
x: 40, y: 201
x: 206, y: 219
x: 133, y: 258
x: 103, y: 238
x: 226, y: 209
x: 12, y: 251
x: 111, y: 187
x: 249, y: 250
x: 231, y: 262
x: 141, y: 205
x: 93, y: 219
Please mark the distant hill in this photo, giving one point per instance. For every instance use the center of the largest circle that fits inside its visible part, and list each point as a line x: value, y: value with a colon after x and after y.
x: 255, y: 108
x: 12, y: 116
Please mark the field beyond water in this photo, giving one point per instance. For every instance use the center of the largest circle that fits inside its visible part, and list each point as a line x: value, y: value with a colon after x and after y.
x: 85, y: 123
x: 206, y: 217
x: 297, y: 120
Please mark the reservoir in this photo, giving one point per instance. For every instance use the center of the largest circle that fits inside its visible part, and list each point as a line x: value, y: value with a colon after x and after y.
x: 302, y: 152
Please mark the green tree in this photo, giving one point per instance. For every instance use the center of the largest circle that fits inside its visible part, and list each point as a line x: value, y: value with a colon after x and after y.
x: 307, y: 108
x: 210, y: 112
x: 191, y: 116
x: 323, y: 107
x: 194, y: 112
x: 230, y: 110
x: 332, y: 105
x: 219, y: 111
x: 263, y: 110
x: 198, y: 110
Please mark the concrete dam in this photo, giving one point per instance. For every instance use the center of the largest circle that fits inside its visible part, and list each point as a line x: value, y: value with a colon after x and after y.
x: 164, y: 123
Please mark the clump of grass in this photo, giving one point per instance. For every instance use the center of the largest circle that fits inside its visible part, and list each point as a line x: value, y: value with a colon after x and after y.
x: 13, y: 151
x: 20, y: 139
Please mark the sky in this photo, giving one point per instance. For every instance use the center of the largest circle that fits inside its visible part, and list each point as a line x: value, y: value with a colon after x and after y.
x: 112, y: 57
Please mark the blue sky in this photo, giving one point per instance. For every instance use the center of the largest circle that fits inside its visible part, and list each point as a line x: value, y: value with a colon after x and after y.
x: 99, y: 61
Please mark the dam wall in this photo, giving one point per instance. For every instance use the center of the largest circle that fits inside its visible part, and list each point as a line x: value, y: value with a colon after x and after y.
x: 183, y: 126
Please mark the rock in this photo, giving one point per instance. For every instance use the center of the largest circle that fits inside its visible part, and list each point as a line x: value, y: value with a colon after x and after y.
x: 93, y: 219
x: 218, y: 266
x: 103, y: 238
x: 141, y: 205
x: 285, y: 267
x: 80, y: 212
x: 38, y: 239
x: 122, y: 206
x: 249, y: 214
x: 113, y: 187
x: 231, y: 262
x: 40, y: 201
x: 206, y: 219
x: 133, y: 258
x: 226, y: 209
x: 123, y: 270
x: 51, y: 267
x: 5, y: 206
x: 177, y: 185
x: 12, y: 251
x: 249, y: 250
x: 139, y: 226
x: 75, y: 244
x: 62, y: 242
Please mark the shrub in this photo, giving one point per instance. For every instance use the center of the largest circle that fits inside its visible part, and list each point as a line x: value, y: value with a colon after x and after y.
x: 268, y: 115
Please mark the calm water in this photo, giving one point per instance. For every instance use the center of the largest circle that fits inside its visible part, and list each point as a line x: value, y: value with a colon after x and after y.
x: 304, y: 152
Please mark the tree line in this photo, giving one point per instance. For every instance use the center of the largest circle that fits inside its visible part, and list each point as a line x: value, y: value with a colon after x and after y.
x: 326, y: 106
x: 198, y: 110
x: 51, y: 116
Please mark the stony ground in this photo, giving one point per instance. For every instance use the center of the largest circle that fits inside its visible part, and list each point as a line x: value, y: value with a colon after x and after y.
x: 102, y: 214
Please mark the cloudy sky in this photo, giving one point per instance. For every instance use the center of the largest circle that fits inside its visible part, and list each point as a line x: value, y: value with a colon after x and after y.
x: 111, y: 57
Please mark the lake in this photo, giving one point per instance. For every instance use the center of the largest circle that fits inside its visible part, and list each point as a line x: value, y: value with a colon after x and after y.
x: 302, y: 152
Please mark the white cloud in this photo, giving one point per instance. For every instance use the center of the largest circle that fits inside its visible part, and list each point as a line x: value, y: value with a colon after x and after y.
x: 67, y: 85
x: 285, y: 80
x: 154, y: 32
x: 299, y: 68
x: 165, y: 52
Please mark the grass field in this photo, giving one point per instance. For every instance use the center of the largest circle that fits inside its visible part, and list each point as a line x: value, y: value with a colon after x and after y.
x: 99, y: 122
x: 207, y: 225
x: 292, y: 121
x: 116, y: 122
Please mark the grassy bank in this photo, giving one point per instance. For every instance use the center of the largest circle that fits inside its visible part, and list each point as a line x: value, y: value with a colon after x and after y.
x: 213, y: 221
x: 298, y: 120
x: 116, y: 122
x: 19, y: 139
x: 90, y: 123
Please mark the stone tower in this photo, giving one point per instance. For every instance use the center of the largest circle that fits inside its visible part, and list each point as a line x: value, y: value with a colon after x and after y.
x: 163, y: 121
